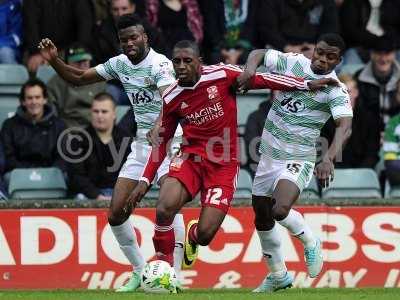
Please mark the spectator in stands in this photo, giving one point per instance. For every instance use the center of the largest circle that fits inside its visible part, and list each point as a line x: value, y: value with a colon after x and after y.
x: 377, y: 81
x: 30, y: 137
x: 364, y: 23
x: 224, y: 30
x: 10, y: 31
x: 3, y: 189
x: 73, y: 103
x: 391, y: 146
x: 292, y: 25
x: 63, y: 21
x: 362, y: 148
x: 95, y: 176
x: 177, y: 20
x: 123, y: 7
x: 254, y: 128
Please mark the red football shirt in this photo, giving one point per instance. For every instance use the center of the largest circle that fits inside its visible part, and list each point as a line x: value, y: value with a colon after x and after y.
x: 207, y: 114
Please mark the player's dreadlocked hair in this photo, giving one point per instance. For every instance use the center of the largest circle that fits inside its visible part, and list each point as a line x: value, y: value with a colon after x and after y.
x: 188, y: 44
x: 333, y: 39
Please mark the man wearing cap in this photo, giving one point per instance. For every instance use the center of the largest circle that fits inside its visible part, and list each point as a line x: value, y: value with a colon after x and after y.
x: 377, y: 81
x: 73, y: 102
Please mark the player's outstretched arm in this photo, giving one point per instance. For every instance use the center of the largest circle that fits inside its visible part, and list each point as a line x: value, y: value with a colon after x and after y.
x: 324, y: 171
x: 71, y: 74
x: 255, y: 58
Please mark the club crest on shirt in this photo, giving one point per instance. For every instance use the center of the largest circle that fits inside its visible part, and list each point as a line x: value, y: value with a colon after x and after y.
x: 212, y: 92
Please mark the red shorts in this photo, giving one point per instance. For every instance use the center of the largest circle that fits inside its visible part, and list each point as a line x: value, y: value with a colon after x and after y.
x: 215, y: 182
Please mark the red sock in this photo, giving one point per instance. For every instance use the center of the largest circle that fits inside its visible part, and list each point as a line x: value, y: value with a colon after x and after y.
x: 164, y: 242
x: 193, y: 234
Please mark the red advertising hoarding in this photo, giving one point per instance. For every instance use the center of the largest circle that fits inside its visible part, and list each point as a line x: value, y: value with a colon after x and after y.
x: 75, y: 248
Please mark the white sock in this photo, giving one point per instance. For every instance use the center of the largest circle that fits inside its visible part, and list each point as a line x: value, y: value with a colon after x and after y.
x: 126, y: 237
x: 296, y: 225
x: 179, y: 230
x: 271, y: 247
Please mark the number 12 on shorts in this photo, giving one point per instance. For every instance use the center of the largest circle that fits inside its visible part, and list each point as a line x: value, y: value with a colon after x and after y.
x: 214, y: 196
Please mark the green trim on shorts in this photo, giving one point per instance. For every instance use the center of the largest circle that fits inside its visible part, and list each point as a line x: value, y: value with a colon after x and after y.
x: 304, y: 175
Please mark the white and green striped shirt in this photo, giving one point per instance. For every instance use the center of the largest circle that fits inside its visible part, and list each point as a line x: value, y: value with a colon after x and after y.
x: 141, y: 83
x: 294, y: 122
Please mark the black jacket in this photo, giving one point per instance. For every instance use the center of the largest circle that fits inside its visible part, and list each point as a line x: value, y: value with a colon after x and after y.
x: 28, y: 144
x: 254, y: 128
x: 354, y: 16
x: 93, y: 173
x: 378, y: 98
x: 282, y: 22
x: 63, y: 21
x: 362, y: 148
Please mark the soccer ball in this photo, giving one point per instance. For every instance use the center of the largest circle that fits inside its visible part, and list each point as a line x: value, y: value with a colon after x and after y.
x: 158, y: 277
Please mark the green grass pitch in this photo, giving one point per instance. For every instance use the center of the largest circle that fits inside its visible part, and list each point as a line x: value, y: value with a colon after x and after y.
x: 229, y: 294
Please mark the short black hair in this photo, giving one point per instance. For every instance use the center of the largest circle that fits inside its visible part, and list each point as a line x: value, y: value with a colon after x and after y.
x: 103, y: 96
x: 129, y: 20
x: 31, y: 83
x: 188, y: 44
x: 333, y: 39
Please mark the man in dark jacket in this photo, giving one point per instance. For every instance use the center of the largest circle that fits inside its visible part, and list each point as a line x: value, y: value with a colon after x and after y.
x: 3, y: 189
x: 64, y: 21
x: 377, y: 82
x: 30, y: 137
x: 106, y: 147
x: 254, y: 128
x: 292, y: 25
x: 362, y: 148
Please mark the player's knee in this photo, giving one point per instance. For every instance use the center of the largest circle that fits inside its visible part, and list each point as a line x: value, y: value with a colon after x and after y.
x: 116, y: 216
x: 163, y: 213
x: 263, y: 224
x: 280, y: 212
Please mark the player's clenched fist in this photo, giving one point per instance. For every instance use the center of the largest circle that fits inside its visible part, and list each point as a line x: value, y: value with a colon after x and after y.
x: 48, y: 50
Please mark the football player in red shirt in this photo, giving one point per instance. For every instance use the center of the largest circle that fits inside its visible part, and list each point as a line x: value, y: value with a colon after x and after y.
x: 203, y: 101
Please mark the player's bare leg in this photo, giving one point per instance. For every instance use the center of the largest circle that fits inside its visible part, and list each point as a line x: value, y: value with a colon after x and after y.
x: 270, y: 240
x: 173, y: 196
x: 285, y: 195
x: 118, y: 218
x: 201, y: 232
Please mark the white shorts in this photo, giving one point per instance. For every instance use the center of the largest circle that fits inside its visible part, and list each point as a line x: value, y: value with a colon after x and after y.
x: 270, y: 171
x: 136, y: 161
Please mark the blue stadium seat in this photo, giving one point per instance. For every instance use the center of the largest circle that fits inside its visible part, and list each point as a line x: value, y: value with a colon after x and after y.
x: 12, y: 77
x: 45, y: 73
x: 8, y: 107
x: 154, y: 192
x: 391, y: 191
x: 351, y: 69
x: 249, y: 102
x: 244, y: 185
x: 37, y: 183
x: 353, y: 183
x: 121, y: 110
x: 311, y: 192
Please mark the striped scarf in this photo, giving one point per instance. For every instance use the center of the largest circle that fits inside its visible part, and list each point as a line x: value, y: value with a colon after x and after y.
x: 194, y: 17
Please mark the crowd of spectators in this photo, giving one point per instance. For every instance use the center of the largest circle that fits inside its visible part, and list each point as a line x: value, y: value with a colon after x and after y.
x: 85, y: 33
